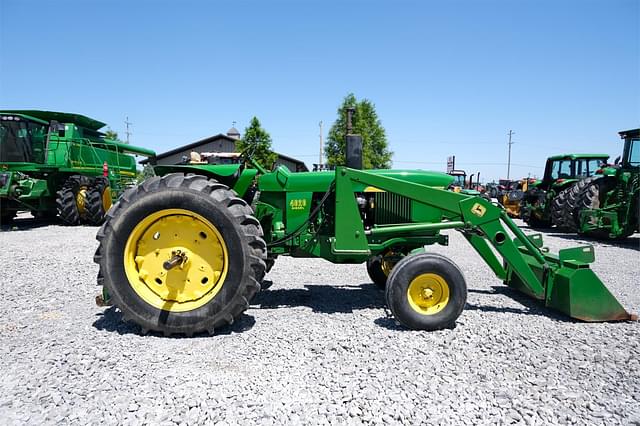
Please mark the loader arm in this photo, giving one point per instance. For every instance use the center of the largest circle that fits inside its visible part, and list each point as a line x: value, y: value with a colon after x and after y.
x: 564, y: 282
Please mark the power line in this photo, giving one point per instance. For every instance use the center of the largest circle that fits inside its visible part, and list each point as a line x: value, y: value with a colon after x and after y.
x: 440, y: 162
x: 418, y: 162
x: 468, y: 164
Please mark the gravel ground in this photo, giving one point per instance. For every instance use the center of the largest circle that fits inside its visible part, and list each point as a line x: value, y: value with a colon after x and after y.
x: 318, y: 347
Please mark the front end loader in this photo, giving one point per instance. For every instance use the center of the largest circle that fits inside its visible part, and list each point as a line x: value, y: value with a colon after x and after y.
x: 185, y: 251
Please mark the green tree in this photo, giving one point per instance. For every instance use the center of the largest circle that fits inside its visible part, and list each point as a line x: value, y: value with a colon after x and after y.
x: 145, y: 173
x: 365, y: 122
x: 111, y: 134
x: 257, y: 142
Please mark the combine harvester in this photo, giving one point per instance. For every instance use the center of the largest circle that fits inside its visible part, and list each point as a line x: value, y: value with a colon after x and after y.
x: 185, y: 251
x: 54, y: 163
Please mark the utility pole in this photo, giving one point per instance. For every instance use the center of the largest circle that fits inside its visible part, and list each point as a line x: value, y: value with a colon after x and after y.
x: 321, y: 147
x: 511, y: 132
x: 127, y: 132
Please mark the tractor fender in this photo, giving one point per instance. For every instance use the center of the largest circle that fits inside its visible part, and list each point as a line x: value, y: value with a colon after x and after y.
x: 233, y: 175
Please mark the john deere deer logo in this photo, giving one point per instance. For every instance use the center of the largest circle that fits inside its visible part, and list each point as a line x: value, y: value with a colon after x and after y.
x: 478, y: 209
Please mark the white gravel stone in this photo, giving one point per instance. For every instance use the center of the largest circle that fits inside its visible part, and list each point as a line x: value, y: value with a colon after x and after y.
x: 316, y: 348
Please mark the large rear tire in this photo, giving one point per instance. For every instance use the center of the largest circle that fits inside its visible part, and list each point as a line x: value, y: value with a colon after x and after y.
x: 571, y: 211
x: 426, y: 292
x: 71, y: 200
x: 98, y: 201
x: 181, y: 255
x: 558, y: 205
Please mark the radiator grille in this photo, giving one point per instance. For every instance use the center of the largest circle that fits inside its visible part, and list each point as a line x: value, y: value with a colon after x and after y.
x: 391, y: 208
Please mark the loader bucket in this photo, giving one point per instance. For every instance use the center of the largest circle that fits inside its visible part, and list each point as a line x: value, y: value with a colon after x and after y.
x: 571, y: 287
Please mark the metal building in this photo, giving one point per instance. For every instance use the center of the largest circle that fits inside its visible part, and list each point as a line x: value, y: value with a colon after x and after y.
x: 219, y: 143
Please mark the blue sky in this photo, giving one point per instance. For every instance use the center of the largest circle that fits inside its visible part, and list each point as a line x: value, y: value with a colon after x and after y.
x: 447, y: 77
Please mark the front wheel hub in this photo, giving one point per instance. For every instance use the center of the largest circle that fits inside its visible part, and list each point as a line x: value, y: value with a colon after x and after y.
x: 428, y: 293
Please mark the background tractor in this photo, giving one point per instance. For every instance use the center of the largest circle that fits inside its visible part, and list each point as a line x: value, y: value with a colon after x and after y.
x: 545, y: 202
x: 185, y: 251
x: 607, y: 204
x: 512, y: 195
x: 462, y: 185
x: 493, y: 189
x: 459, y: 180
x: 58, y: 163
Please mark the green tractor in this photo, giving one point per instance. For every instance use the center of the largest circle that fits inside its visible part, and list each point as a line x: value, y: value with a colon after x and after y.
x: 54, y: 163
x: 546, y: 201
x: 460, y: 183
x: 185, y: 251
x: 607, y: 205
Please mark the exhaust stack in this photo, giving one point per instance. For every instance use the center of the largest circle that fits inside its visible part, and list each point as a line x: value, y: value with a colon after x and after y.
x: 353, y: 148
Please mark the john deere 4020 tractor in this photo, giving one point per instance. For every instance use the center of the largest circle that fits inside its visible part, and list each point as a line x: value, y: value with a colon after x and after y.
x: 185, y: 251
x: 58, y: 163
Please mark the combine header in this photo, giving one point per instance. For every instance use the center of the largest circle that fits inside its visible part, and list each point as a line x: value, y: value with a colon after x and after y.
x: 184, y: 252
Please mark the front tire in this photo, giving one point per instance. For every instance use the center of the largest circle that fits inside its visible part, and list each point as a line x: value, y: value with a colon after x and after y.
x: 376, y: 271
x: 426, y: 292
x: 379, y: 267
x: 213, y: 233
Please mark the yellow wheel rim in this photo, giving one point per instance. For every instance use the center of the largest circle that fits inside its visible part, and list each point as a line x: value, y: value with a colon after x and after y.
x: 199, y: 253
x: 106, y: 198
x: 81, y: 198
x: 428, y: 294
